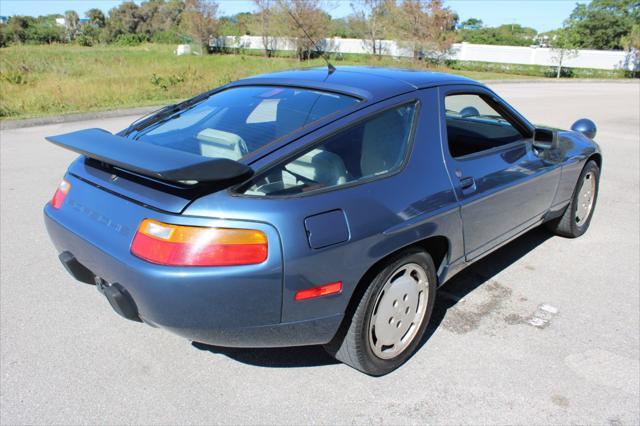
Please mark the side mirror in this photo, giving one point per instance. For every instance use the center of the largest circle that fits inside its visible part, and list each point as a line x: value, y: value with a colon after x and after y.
x: 469, y: 112
x: 586, y: 127
x: 542, y: 138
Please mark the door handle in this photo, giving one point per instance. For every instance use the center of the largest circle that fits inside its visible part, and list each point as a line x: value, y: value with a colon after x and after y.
x: 467, y: 185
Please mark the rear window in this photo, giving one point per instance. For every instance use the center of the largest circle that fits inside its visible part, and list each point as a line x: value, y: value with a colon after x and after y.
x: 239, y: 120
x: 371, y: 148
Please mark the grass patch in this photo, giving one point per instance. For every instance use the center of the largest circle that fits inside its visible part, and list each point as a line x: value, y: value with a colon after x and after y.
x: 59, y: 79
x: 45, y: 80
x: 538, y: 70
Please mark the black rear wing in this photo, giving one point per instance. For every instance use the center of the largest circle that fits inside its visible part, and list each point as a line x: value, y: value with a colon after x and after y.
x: 150, y: 160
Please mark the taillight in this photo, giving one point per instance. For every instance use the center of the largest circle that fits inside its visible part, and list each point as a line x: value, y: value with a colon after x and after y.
x: 323, y: 290
x: 60, y: 194
x: 180, y: 245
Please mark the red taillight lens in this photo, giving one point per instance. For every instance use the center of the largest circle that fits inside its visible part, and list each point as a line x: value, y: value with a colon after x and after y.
x: 179, y: 245
x: 60, y: 194
x: 323, y: 290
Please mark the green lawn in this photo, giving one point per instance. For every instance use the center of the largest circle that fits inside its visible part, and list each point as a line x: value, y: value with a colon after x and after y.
x: 59, y: 79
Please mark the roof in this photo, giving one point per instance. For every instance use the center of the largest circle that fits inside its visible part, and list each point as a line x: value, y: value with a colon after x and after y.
x: 371, y: 83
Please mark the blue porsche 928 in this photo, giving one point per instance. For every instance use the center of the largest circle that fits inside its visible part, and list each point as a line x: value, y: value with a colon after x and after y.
x: 312, y: 207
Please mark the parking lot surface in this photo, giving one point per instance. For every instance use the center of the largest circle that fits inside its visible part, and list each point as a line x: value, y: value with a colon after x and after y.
x: 545, y: 330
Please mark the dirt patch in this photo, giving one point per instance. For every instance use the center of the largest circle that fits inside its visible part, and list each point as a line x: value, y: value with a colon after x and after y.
x: 541, y: 318
x: 560, y: 401
x: 467, y: 314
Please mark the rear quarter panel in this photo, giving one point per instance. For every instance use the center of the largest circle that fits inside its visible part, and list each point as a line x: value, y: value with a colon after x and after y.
x: 383, y: 215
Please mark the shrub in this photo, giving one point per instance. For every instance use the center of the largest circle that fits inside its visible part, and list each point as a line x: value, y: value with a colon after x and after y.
x: 88, y: 36
x: 14, y: 77
x: 564, y: 72
x: 166, y: 37
x: 130, y: 39
x: 5, y: 111
x: 166, y: 82
x: 84, y: 40
x: 534, y: 70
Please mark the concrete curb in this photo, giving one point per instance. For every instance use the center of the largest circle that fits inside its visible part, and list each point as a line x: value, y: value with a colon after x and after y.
x: 140, y: 111
x: 563, y: 80
x: 82, y: 116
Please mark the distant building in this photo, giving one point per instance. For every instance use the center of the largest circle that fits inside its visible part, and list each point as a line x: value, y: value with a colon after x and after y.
x: 61, y: 22
x: 542, y: 40
x: 464, y: 26
x: 4, y: 19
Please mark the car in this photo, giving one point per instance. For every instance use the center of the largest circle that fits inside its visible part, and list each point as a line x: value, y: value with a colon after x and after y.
x: 313, y: 207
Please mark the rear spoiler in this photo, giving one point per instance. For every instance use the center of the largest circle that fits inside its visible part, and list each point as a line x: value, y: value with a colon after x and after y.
x: 150, y: 160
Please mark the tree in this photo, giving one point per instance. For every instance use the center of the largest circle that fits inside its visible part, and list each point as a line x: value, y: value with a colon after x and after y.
x: 411, y: 22
x: 17, y: 27
x: 88, y: 36
x: 148, y: 13
x: 123, y: 19
x: 96, y: 17
x: 604, y: 24
x: 344, y: 28
x: 227, y: 26
x: 169, y: 15
x: 632, y: 40
x: 294, y: 15
x: 441, y: 30
x: 472, y: 23
x: 504, y: 35
x: 244, y: 22
x: 235, y: 26
x: 632, y: 45
x: 428, y: 27
x: 72, y: 23
x: 372, y: 18
x: 200, y: 20
x: 27, y: 29
x: 563, y: 43
x: 44, y: 30
x: 264, y: 19
x: 164, y: 24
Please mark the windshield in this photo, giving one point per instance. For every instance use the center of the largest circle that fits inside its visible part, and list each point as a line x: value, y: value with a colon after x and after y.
x: 239, y: 120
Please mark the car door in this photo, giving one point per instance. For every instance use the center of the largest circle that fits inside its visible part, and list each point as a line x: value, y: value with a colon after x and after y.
x: 502, y: 183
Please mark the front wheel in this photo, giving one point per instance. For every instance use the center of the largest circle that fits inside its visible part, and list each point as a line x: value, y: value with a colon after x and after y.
x: 577, y: 217
x: 391, y: 317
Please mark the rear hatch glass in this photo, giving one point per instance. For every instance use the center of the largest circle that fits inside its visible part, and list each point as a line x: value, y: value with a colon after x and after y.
x: 240, y: 120
x: 228, y: 124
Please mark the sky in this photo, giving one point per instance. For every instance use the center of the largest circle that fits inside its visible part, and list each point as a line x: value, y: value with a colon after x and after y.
x: 543, y: 15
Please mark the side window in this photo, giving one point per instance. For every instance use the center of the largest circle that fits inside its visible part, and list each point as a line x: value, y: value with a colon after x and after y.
x: 474, y: 126
x: 373, y: 147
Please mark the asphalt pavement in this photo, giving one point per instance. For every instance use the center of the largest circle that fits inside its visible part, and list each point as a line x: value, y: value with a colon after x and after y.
x: 545, y: 330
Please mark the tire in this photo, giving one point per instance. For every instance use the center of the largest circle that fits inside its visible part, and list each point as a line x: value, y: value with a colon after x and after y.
x: 571, y: 224
x: 400, y: 280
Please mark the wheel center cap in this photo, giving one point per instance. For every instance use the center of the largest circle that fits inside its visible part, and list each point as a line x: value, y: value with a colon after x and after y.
x: 397, y: 310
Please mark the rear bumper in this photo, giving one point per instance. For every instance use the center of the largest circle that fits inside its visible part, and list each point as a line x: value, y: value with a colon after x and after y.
x: 229, y: 306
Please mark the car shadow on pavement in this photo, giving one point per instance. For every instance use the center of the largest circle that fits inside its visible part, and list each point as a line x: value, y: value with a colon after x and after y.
x: 299, y: 356
x: 458, y: 287
x: 481, y: 272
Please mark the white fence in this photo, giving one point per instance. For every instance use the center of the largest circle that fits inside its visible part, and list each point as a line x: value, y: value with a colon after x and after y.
x: 599, y: 59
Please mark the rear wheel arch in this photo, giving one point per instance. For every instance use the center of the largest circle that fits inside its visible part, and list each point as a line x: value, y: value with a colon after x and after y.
x: 347, y: 345
x: 438, y: 248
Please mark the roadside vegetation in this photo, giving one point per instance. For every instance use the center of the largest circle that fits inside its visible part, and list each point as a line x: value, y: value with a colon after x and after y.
x: 63, y: 63
x: 598, y: 24
x: 59, y: 79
